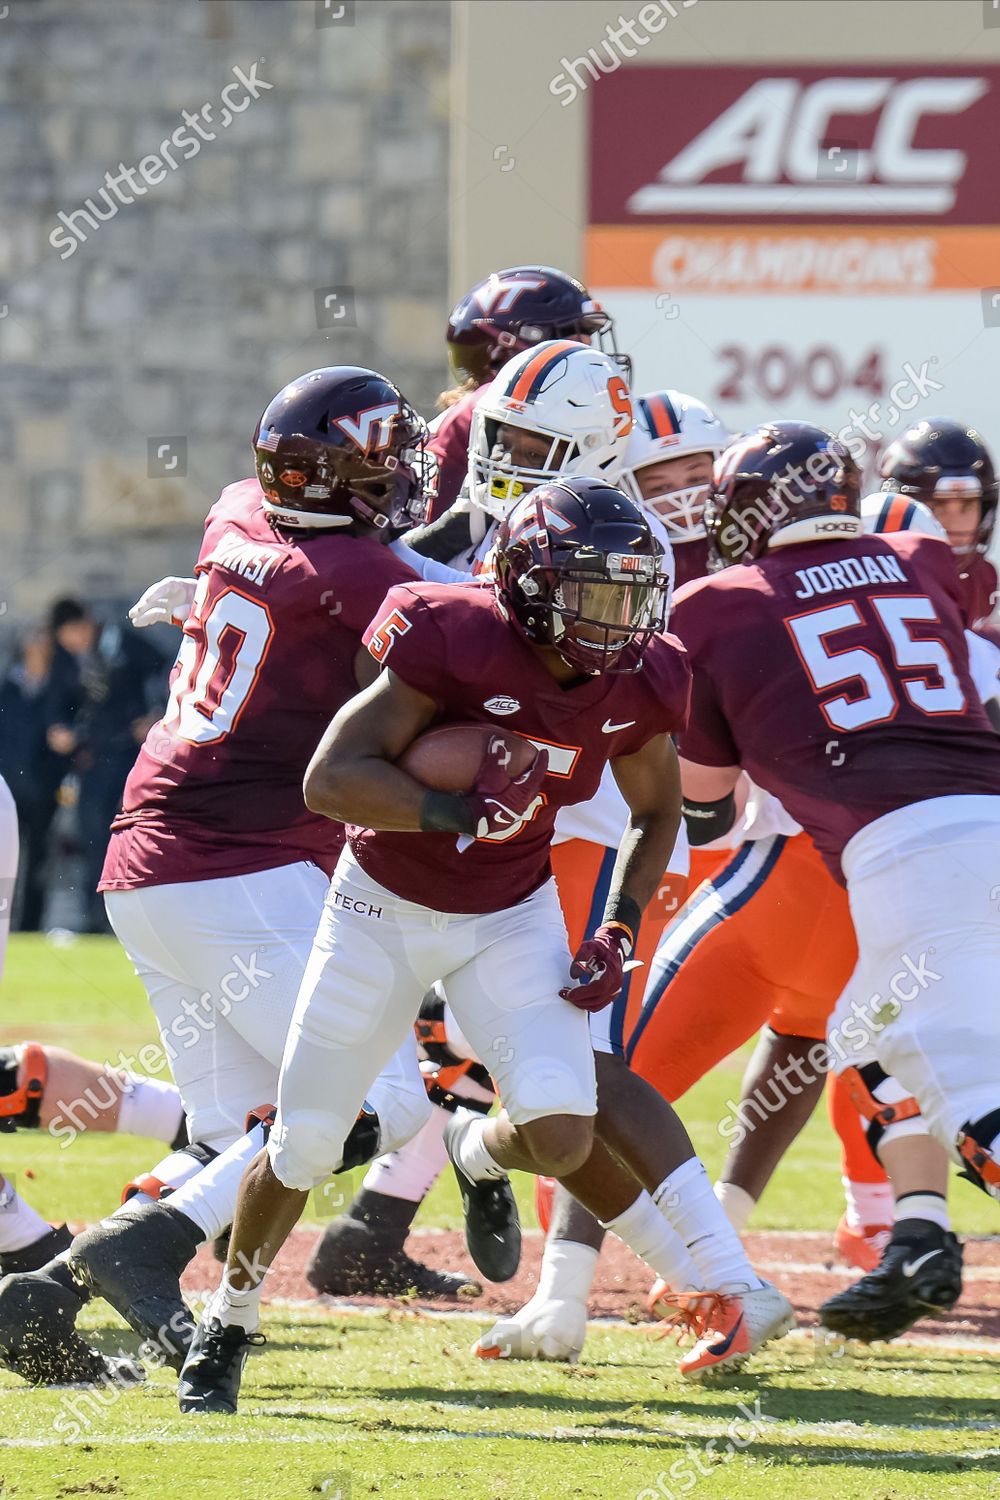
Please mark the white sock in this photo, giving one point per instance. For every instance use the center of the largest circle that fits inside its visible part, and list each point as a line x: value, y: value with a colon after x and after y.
x: 231, y: 1306
x: 737, y: 1202
x: 567, y: 1271
x: 686, y: 1200
x: 209, y: 1198
x: 929, y: 1206
x: 869, y: 1204
x: 470, y: 1149
x: 20, y: 1226
x: 412, y: 1171
x: 645, y: 1230
x: 151, y: 1108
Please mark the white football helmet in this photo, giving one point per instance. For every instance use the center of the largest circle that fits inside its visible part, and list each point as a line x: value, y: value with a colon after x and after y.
x: 669, y: 424
x: 568, y: 394
x: 890, y: 511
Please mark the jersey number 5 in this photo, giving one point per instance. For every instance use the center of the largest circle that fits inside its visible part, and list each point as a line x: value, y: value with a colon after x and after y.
x: 933, y: 688
x: 384, y: 637
x: 218, y: 666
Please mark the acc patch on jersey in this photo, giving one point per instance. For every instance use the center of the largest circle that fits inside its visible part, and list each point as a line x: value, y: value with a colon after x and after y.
x: 501, y: 704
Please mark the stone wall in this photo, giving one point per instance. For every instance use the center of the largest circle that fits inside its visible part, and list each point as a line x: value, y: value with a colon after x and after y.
x: 137, y: 353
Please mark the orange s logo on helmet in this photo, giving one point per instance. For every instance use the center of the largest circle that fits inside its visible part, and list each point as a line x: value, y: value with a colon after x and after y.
x: 294, y: 478
x: 838, y: 502
x: 622, y: 403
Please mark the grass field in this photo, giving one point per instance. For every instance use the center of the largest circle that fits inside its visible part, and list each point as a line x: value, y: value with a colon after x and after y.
x: 389, y: 1403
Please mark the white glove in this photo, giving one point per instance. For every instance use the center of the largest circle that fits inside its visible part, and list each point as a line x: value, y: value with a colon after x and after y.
x: 167, y: 602
x: 545, y: 1328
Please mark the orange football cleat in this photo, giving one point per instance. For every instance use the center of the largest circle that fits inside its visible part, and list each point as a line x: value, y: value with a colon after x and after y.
x: 861, y: 1247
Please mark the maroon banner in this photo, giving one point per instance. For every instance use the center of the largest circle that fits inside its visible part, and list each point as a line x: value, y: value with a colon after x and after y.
x: 829, y: 144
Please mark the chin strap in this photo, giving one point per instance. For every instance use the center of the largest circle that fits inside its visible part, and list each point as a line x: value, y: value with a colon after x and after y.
x: 20, y: 1104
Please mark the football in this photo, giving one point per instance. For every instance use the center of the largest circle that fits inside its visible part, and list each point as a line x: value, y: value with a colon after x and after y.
x: 448, y: 759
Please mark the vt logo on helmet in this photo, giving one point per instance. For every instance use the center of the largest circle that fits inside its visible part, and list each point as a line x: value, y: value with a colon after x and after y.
x: 780, y: 483
x: 578, y: 569
x: 340, y: 446
x: 518, y: 309
x: 560, y: 408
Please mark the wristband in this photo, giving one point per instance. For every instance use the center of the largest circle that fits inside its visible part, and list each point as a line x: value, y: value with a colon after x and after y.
x: 446, y: 812
x: 625, y: 912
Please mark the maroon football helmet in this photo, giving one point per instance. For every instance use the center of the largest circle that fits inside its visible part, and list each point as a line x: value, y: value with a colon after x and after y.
x: 780, y: 483
x: 342, y: 445
x: 524, y: 305
x: 578, y: 568
x: 941, y: 459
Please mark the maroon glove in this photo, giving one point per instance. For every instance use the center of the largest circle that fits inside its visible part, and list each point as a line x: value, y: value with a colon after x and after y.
x: 499, y: 805
x: 600, y: 963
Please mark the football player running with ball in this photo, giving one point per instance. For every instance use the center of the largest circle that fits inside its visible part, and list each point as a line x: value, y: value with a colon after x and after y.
x: 439, y: 885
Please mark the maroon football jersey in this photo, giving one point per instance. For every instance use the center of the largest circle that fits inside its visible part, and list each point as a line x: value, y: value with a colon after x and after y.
x: 451, y: 642
x: 978, y: 588
x: 836, y: 674
x: 690, y: 560
x: 449, y: 442
x: 266, y: 660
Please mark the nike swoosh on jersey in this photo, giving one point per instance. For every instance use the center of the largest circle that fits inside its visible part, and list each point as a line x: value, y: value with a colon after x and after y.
x: 609, y: 728
x: 911, y: 1267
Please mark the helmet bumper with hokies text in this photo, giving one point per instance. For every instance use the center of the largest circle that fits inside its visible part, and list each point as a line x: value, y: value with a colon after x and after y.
x: 778, y: 484
x: 579, y: 569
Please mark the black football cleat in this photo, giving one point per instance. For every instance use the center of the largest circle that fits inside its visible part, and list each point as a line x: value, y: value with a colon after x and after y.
x: 134, y: 1261
x: 38, y: 1254
x: 210, y: 1379
x: 351, y: 1261
x: 919, y: 1276
x: 38, y: 1339
x: 492, y: 1226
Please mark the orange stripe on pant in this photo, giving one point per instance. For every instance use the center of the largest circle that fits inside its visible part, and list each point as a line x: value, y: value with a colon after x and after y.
x: 780, y: 953
x: 781, y: 961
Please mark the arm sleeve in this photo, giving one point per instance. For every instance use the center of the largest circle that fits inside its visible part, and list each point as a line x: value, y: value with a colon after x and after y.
x: 427, y: 568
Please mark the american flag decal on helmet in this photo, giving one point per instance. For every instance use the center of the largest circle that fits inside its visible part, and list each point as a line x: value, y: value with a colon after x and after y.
x: 270, y: 442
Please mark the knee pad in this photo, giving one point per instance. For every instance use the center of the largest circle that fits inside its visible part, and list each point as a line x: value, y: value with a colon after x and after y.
x: 887, y: 1110
x: 305, y: 1147
x: 975, y: 1147
x: 21, y: 1104
x: 154, y: 1187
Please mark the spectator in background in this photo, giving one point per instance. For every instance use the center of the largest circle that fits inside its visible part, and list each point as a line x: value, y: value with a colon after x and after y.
x: 107, y: 688
x: 31, y: 769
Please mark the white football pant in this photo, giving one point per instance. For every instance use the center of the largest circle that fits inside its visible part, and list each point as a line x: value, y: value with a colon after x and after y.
x: 924, y: 1000
x: 374, y: 958
x: 221, y: 962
